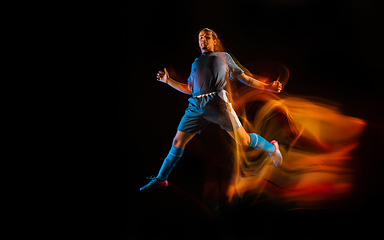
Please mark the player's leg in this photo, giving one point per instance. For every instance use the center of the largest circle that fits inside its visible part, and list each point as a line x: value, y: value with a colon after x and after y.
x: 254, y: 140
x: 191, y: 123
x: 229, y: 121
x: 240, y: 136
x: 251, y: 139
x: 180, y: 140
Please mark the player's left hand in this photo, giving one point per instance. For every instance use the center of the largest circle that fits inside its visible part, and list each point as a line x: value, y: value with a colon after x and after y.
x: 275, y: 86
x: 163, y: 76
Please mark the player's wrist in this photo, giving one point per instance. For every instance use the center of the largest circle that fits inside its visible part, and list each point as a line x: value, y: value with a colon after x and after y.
x: 268, y: 87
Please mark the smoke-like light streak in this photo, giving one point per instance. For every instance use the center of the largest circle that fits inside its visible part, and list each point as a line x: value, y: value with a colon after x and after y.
x: 316, y: 141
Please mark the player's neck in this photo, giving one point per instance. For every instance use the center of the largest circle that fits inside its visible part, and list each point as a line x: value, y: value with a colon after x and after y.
x: 206, y: 52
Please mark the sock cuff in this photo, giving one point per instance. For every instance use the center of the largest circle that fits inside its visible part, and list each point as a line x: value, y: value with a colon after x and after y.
x: 253, y: 142
x: 176, y: 152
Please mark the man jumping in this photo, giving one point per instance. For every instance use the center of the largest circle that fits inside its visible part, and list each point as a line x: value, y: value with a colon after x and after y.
x: 210, y: 103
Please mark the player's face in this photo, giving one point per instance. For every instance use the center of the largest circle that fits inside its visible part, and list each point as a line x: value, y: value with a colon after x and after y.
x: 206, y: 41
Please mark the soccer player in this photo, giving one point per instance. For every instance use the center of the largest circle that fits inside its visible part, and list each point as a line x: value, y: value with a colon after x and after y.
x: 210, y: 103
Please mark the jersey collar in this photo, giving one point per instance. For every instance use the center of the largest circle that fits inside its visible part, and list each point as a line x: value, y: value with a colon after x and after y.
x: 206, y: 53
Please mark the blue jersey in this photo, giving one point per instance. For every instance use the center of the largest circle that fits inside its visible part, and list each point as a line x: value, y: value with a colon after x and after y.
x: 210, y: 72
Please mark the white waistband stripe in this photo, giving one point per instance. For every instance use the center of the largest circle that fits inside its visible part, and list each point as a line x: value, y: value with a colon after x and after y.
x: 203, y: 95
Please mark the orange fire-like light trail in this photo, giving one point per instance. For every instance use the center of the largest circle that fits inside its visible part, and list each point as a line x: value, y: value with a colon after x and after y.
x: 316, y: 141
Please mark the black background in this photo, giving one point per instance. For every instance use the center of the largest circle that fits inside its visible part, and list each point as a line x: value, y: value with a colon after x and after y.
x: 333, y: 50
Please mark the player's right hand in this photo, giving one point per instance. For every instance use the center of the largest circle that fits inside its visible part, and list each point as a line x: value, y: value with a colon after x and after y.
x: 276, y: 86
x: 163, y: 76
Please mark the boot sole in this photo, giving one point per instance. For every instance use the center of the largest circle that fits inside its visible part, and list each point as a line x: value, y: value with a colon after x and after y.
x: 155, y: 189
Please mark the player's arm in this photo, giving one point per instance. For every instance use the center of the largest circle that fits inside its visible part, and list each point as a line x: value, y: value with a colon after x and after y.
x: 250, y: 81
x: 164, y: 77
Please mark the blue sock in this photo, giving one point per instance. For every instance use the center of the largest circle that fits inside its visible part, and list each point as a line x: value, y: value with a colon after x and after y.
x: 260, y: 143
x: 169, y: 163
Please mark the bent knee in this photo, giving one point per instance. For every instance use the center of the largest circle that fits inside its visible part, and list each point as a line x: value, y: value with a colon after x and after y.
x: 244, y: 141
x: 181, y: 139
x: 178, y: 143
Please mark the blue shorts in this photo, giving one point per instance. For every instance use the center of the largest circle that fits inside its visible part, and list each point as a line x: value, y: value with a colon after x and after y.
x: 213, y: 107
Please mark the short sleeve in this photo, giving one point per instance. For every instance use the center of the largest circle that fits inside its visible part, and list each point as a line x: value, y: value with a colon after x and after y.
x: 233, y: 69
